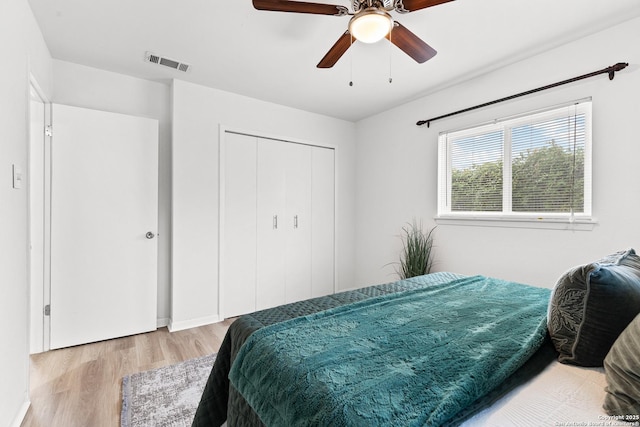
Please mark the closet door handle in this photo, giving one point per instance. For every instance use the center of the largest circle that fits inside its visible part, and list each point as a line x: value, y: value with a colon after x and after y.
x: 275, y: 222
x: 295, y: 221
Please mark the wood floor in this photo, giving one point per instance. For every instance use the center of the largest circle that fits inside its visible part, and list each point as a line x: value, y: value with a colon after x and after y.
x: 81, y: 386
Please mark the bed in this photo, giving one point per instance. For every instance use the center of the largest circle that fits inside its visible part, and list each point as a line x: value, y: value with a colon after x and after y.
x: 440, y: 349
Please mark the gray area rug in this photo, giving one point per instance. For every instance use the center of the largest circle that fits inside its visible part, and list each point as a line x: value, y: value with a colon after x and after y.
x: 165, y: 397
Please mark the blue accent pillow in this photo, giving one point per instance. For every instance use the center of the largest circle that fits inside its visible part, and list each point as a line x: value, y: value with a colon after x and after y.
x: 591, y: 305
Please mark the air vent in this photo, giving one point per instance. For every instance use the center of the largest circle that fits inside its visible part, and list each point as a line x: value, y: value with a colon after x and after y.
x: 167, y: 62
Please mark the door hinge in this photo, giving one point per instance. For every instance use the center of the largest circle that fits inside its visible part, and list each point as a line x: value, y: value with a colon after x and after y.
x: 47, y: 310
x: 48, y: 130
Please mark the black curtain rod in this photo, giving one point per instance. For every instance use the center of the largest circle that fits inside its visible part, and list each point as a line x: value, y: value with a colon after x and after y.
x: 609, y: 70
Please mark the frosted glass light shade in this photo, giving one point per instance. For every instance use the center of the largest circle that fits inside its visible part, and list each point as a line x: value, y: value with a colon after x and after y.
x: 370, y: 25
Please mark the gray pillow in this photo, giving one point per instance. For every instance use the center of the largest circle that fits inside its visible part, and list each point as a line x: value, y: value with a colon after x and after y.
x: 622, y: 371
x: 591, y: 305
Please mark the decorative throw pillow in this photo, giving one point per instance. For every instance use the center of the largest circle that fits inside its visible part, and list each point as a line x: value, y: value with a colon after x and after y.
x: 622, y: 371
x: 591, y: 305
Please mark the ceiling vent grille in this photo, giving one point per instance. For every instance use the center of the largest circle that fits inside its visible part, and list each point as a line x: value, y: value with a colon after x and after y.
x: 167, y: 62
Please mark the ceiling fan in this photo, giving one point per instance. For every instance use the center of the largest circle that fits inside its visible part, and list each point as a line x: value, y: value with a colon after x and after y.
x: 370, y: 22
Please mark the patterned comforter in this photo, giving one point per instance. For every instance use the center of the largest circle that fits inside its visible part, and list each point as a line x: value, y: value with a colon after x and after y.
x: 221, y: 401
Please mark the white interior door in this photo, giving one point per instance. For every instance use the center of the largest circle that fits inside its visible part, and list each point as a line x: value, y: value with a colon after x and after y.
x: 104, y: 199
x: 238, y: 233
x: 297, y: 222
x: 323, y: 221
x: 271, y: 221
x: 277, y: 222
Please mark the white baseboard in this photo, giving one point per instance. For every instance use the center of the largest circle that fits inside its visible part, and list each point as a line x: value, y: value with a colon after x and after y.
x: 161, y: 322
x: 191, y: 323
x: 21, y: 413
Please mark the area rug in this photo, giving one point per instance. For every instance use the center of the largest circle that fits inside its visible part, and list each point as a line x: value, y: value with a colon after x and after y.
x: 165, y: 397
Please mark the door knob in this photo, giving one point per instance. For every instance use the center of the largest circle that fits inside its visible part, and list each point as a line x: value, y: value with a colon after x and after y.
x: 150, y: 235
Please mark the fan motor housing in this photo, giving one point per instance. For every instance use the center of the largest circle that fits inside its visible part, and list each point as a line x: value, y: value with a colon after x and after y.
x: 358, y: 5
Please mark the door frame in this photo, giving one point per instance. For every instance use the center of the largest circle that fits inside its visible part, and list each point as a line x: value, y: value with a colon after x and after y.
x: 39, y: 291
x: 222, y: 131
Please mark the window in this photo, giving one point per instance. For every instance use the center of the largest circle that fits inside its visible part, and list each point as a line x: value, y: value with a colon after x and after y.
x: 531, y: 167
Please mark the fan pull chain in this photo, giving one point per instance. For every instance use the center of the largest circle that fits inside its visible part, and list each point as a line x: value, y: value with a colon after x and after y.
x: 390, y: 78
x: 351, y: 63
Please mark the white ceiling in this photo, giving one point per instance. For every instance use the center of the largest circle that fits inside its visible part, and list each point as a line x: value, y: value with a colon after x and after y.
x: 273, y: 55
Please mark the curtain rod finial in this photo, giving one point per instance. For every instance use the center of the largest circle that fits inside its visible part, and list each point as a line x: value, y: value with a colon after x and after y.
x: 619, y: 66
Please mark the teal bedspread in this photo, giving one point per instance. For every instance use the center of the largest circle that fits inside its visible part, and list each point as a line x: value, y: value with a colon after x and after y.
x: 411, y: 358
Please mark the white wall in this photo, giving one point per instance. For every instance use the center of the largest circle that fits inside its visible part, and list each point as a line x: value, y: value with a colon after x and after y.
x: 397, y: 167
x: 88, y: 87
x: 21, y: 46
x: 197, y: 113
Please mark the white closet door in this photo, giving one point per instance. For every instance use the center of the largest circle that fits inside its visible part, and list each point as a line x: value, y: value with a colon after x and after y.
x: 271, y: 221
x: 297, y: 224
x: 104, y: 201
x: 278, y: 206
x: 238, y: 251
x: 323, y: 221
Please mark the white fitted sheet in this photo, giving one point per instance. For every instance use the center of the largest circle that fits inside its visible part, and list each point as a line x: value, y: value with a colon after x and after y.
x: 561, y: 395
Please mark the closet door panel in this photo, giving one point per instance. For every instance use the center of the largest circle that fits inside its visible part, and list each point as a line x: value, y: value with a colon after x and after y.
x: 323, y: 221
x: 271, y: 221
x: 298, y: 222
x: 238, y: 254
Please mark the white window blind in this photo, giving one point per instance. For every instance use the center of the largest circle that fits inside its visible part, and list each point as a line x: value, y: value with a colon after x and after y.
x: 535, y: 165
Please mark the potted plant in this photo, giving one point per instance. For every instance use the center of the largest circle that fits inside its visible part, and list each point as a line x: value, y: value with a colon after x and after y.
x: 416, y: 256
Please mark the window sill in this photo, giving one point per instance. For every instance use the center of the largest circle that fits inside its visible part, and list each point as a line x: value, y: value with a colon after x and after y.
x: 582, y: 224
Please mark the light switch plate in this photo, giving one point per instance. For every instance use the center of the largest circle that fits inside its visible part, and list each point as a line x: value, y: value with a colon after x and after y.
x: 17, y: 177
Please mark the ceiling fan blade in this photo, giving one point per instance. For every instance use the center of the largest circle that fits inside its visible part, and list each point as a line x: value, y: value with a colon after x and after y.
x: 300, y: 7
x: 336, y: 51
x: 404, y: 6
x: 410, y: 44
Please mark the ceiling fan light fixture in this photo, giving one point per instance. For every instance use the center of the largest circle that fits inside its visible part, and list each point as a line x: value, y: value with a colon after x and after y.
x: 370, y: 25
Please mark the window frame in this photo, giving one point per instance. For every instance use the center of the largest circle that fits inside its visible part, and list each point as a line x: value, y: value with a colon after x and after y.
x: 507, y: 216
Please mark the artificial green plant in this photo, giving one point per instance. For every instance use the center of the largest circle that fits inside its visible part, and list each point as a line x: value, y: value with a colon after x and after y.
x: 416, y: 257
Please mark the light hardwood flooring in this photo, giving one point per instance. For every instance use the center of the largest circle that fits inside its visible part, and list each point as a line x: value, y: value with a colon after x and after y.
x: 81, y: 386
